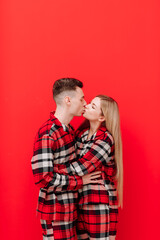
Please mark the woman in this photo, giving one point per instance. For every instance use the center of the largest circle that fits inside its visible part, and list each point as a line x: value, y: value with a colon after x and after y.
x: 99, y: 147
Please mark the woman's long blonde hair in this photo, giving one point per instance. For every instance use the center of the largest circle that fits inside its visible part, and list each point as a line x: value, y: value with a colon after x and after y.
x: 110, y: 111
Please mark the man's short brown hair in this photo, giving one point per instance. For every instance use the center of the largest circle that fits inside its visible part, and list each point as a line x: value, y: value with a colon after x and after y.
x: 65, y: 84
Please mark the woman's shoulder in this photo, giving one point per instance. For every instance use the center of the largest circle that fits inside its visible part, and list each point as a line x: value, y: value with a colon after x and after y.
x: 104, y: 135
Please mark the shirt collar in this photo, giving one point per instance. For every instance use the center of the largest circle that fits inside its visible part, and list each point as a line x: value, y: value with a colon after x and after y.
x: 101, y: 131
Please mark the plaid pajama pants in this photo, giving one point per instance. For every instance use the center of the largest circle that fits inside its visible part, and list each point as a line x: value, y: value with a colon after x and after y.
x: 96, y: 222
x: 53, y: 230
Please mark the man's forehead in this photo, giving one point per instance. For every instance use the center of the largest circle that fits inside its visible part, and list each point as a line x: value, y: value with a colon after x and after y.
x: 80, y: 91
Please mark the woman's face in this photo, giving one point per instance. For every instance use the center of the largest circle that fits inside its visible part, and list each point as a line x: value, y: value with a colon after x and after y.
x: 93, y: 110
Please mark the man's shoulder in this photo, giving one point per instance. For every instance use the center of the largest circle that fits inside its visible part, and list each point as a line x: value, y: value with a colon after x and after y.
x: 49, y: 126
x: 45, y: 128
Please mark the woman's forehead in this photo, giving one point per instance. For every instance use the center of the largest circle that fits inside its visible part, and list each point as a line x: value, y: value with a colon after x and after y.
x: 96, y: 101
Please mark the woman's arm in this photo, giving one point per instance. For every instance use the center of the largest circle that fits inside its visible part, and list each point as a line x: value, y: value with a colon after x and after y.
x: 98, y: 153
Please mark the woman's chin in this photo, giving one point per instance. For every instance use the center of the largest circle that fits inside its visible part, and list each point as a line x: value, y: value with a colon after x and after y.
x: 85, y: 115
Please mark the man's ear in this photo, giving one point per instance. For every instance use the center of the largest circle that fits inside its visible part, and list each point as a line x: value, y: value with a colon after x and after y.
x: 101, y: 118
x: 67, y: 100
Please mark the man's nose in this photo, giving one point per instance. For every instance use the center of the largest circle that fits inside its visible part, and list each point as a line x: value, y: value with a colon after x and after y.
x: 85, y: 103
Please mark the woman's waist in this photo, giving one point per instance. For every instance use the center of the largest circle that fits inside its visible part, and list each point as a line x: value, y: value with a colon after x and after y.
x: 98, y: 193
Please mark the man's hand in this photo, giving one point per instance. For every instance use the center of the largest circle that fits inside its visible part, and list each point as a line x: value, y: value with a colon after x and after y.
x: 91, y: 178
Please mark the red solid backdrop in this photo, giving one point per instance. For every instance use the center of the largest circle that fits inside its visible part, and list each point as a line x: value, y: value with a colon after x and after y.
x: 113, y: 47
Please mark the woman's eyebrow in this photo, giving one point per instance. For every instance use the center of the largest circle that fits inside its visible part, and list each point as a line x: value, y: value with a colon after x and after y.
x: 94, y: 104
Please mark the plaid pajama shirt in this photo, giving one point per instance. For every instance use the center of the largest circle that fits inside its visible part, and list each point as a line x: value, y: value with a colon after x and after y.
x: 55, y: 144
x: 96, y: 153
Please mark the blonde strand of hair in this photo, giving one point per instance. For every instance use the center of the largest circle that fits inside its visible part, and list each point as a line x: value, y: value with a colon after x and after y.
x: 112, y: 121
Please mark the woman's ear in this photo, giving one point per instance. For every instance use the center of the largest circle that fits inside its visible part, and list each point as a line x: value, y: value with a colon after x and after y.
x: 101, y: 118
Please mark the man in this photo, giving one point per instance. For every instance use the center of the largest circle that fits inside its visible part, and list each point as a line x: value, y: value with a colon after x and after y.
x: 54, y: 147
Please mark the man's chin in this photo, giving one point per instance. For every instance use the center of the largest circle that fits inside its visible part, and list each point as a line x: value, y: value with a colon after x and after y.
x: 78, y: 115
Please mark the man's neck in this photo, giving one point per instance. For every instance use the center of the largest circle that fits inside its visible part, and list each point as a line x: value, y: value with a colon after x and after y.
x: 63, y: 116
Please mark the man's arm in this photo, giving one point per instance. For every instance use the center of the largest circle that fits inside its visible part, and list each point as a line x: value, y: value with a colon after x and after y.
x: 42, y: 166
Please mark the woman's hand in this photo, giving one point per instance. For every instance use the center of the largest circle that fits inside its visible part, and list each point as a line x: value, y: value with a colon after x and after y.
x: 91, y: 178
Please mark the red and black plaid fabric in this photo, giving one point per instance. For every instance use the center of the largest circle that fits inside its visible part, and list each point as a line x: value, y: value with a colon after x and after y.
x: 55, y: 144
x: 53, y: 230
x: 96, y: 153
x: 96, y: 222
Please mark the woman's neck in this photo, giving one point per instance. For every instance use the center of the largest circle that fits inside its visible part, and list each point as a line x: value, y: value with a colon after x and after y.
x: 94, y: 126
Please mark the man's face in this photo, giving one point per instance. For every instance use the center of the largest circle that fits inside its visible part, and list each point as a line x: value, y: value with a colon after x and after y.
x: 78, y: 102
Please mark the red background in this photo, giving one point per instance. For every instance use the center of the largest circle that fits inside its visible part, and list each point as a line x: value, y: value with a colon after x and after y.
x: 113, y: 47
